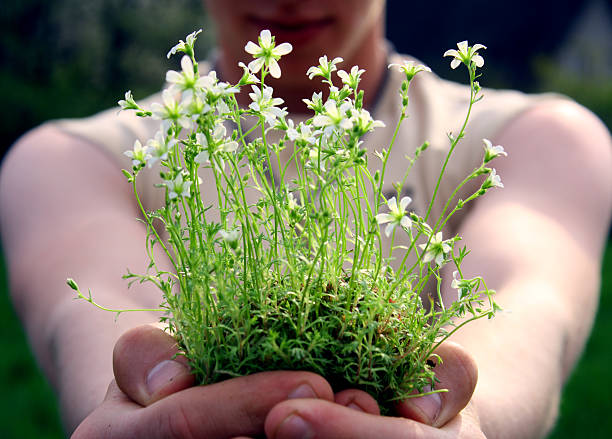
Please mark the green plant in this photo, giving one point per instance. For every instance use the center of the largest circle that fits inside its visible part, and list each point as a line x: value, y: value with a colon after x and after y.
x: 284, y: 266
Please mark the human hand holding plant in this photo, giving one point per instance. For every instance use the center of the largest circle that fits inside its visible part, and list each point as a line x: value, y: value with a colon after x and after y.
x: 153, y: 384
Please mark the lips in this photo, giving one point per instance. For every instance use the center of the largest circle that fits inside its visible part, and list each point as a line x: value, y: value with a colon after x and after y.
x: 296, y: 31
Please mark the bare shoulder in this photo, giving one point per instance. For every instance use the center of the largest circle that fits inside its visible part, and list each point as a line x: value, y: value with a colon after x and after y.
x: 560, y: 159
x: 561, y: 131
x: 50, y: 178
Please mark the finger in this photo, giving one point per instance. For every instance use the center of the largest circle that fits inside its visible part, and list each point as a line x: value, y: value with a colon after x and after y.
x: 112, y: 420
x: 232, y: 408
x: 457, y: 372
x: 147, y: 367
x: 308, y: 418
x: 357, y: 400
x: 236, y: 407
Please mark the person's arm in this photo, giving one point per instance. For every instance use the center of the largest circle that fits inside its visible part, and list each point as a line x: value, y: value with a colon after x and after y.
x: 539, y: 243
x: 67, y: 211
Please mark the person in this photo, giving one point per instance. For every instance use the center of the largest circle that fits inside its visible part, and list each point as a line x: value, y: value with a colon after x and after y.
x: 66, y: 211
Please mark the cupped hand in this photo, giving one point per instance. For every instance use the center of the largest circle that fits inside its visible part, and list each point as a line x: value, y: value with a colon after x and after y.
x: 152, y: 397
x: 442, y: 415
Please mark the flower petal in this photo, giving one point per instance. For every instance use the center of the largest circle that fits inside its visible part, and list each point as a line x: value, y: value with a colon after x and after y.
x: 389, y: 229
x: 404, y: 202
x: 256, y: 64
x: 275, y: 70
x: 283, y: 49
x: 252, y: 48
x: 265, y: 38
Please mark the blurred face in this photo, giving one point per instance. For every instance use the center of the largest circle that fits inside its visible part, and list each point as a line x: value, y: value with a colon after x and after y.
x: 314, y: 28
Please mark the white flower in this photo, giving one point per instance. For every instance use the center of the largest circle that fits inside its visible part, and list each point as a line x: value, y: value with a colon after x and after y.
x: 333, y: 118
x: 177, y: 187
x: 466, y: 54
x: 158, y: 147
x: 364, y: 122
x: 316, y: 160
x: 183, y: 46
x: 264, y: 104
x: 351, y: 79
x: 248, y: 77
x: 186, y: 79
x: 410, y: 68
x: 230, y: 236
x: 396, y: 216
x: 492, y: 151
x: 493, y: 180
x: 461, y: 285
x: 300, y: 134
x: 267, y: 53
x: 220, y: 143
x: 222, y: 108
x: 203, y: 156
x: 324, y: 68
x: 291, y: 202
x: 436, y: 249
x: 171, y: 110
x: 316, y: 103
x: 128, y: 103
x: 138, y: 154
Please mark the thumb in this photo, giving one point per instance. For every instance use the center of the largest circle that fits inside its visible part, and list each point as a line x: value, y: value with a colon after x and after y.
x: 146, y: 366
x: 457, y: 372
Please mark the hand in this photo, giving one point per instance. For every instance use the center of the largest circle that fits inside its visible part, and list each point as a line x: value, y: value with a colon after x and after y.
x: 442, y: 415
x: 152, y: 396
x: 279, y: 401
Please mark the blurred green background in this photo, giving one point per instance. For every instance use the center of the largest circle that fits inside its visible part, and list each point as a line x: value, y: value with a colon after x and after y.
x: 71, y: 58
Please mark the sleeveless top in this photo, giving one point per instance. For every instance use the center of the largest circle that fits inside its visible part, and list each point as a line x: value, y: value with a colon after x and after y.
x: 437, y: 107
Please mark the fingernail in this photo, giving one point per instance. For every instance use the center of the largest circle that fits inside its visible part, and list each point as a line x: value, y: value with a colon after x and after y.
x: 429, y: 405
x: 294, y: 427
x: 162, y: 374
x: 302, y: 391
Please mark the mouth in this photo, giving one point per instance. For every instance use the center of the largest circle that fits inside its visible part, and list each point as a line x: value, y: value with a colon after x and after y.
x: 294, y: 31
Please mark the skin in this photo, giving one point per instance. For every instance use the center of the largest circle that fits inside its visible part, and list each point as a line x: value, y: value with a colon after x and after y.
x: 350, y: 29
x: 539, y: 242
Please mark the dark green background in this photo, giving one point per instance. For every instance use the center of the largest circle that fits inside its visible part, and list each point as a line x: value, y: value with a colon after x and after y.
x: 70, y: 58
